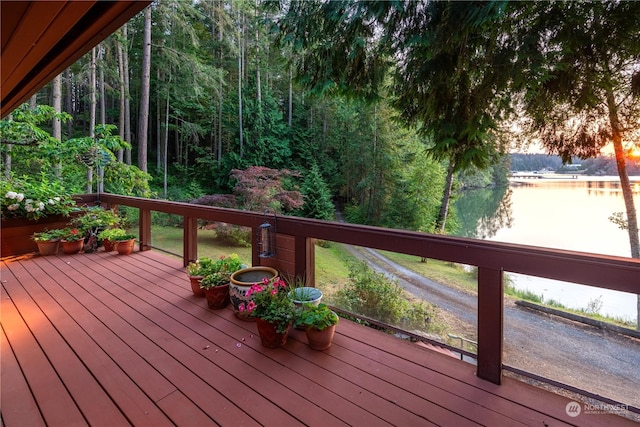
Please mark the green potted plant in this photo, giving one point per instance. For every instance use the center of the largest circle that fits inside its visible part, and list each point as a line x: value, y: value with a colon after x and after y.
x: 216, y: 281
x: 95, y: 218
x: 196, y: 270
x: 91, y: 221
x: 319, y: 323
x: 110, y: 236
x: 273, y: 310
x: 72, y: 241
x: 48, y: 241
x: 301, y: 293
x: 125, y: 243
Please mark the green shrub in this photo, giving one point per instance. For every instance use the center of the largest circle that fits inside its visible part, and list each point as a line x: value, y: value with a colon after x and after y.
x: 233, y: 235
x: 371, y: 294
x: 374, y: 295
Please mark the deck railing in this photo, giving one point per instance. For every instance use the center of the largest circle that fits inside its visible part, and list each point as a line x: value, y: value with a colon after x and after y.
x: 492, y: 259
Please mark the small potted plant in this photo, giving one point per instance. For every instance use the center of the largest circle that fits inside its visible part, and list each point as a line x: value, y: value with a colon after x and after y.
x: 72, y: 241
x: 95, y: 218
x: 273, y: 310
x: 301, y: 293
x: 319, y: 323
x: 48, y: 242
x: 216, y: 282
x: 125, y: 243
x: 196, y: 270
x: 110, y: 236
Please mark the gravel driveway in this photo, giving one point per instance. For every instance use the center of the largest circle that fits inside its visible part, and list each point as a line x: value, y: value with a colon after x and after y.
x: 586, y: 357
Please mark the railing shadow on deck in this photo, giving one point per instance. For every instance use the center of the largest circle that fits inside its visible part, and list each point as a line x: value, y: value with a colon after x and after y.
x: 492, y: 259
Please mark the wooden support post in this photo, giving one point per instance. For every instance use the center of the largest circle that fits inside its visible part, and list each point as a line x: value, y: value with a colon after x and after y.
x: 490, y: 324
x: 145, y: 229
x: 190, y: 240
x: 305, y: 259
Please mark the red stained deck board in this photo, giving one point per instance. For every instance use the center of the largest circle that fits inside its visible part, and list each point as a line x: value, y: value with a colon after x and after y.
x: 138, y: 312
x: 96, y: 405
x: 90, y: 318
x: 518, y: 400
x: 117, y: 318
x: 183, y: 412
x: 162, y: 350
x: 414, y: 378
x: 389, y: 405
x: 54, y: 401
x: 136, y: 406
x: 420, y: 406
x: 18, y: 405
x: 231, y: 375
x: 350, y: 413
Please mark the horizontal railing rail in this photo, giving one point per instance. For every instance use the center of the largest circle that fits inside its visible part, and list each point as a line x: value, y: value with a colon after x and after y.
x: 491, y: 258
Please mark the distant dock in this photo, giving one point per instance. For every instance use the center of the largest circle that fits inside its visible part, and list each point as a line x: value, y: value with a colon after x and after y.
x: 543, y: 175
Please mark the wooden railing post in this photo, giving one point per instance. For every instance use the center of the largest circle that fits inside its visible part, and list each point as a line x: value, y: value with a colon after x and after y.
x: 190, y: 240
x: 144, y: 230
x: 304, y: 263
x: 490, y: 324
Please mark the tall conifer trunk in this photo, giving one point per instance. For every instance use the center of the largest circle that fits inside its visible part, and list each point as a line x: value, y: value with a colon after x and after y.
x: 56, y: 126
x: 143, y: 117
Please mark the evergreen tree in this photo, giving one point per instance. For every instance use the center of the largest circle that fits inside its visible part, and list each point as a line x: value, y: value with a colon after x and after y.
x: 317, y: 197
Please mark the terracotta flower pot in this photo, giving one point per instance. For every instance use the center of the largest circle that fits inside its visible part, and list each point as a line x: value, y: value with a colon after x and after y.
x: 195, y: 286
x: 109, y: 245
x: 320, y: 339
x: 71, y: 248
x: 217, y: 297
x: 125, y: 247
x: 48, y: 247
x: 241, y: 281
x: 268, y: 335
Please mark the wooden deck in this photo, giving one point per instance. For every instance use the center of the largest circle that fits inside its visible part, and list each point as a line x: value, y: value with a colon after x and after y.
x: 101, y: 339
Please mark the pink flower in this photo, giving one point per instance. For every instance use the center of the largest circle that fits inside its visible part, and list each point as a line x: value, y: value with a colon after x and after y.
x: 274, y: 291
x: 251, y: 306
x: 241, y: 307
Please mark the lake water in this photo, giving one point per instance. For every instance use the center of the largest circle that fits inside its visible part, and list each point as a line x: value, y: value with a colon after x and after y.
x: 565, y: 214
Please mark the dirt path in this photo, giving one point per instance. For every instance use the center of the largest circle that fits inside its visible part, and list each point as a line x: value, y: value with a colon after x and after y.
x: 586, y: 357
